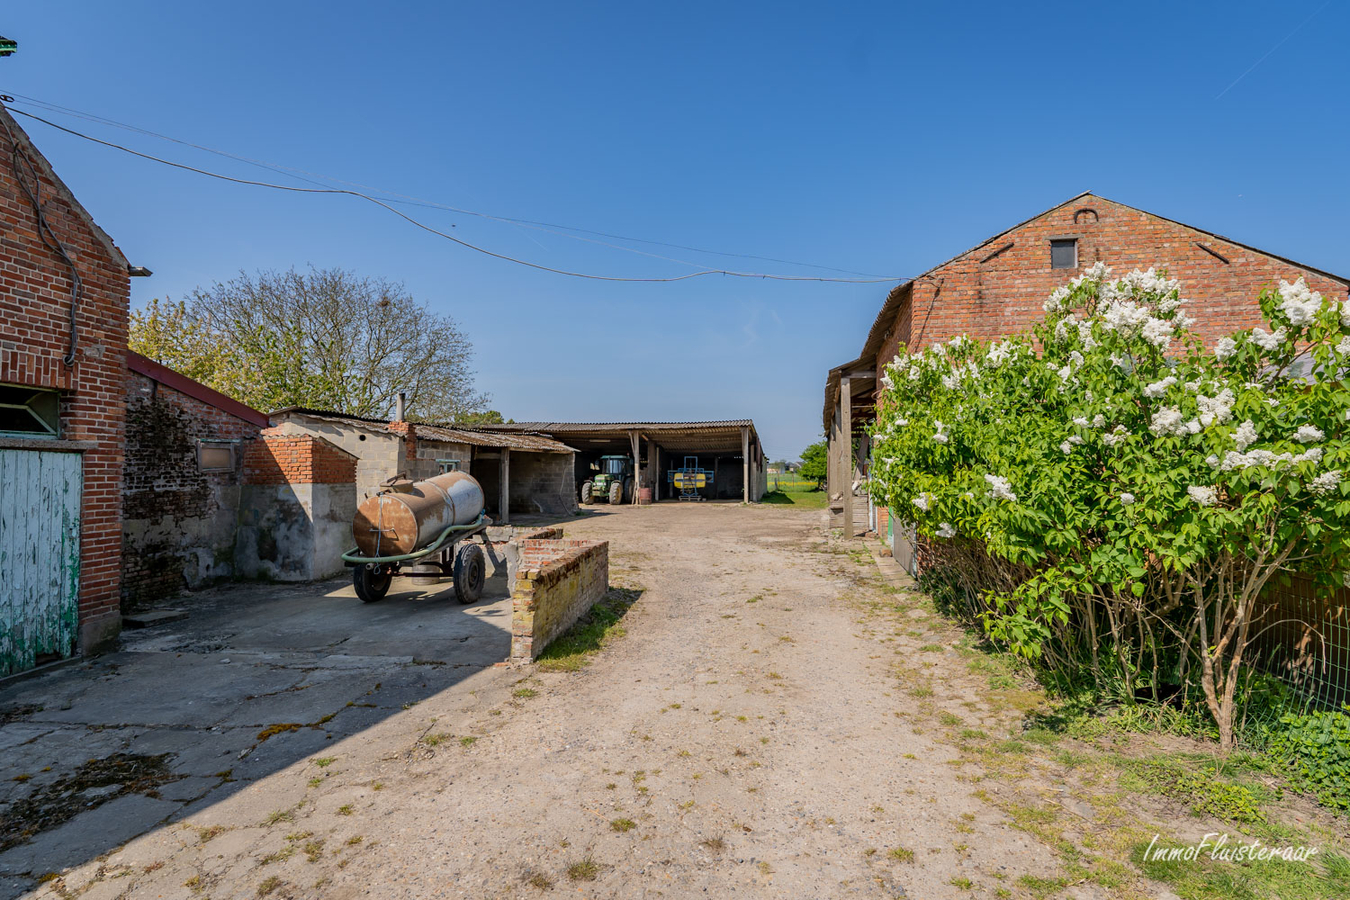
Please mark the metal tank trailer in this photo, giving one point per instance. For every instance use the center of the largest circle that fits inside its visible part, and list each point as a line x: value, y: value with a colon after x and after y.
x: 418, y: 528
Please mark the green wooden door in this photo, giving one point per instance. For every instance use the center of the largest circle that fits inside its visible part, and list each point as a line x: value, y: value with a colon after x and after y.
x: 39, y: 556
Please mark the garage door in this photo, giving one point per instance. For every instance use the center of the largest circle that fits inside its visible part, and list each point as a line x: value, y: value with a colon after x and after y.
x: 39, y: 556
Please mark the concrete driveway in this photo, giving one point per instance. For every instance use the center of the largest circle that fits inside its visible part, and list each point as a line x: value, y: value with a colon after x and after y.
x: 190, y: 712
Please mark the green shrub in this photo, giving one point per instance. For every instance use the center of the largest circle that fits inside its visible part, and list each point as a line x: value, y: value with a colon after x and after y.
x: 1315, y: 748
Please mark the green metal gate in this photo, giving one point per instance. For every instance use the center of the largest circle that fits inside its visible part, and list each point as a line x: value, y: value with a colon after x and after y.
x: 39, y: 556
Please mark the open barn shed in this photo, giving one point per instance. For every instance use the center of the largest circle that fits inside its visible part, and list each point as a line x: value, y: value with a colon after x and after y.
x: 729, y: 452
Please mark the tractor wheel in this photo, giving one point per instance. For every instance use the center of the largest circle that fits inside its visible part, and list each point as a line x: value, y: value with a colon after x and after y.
x: 628, y: 490
x: 616, y: 493
x: 371, y: 586
x: 470, y: 571
x: 585, y: 493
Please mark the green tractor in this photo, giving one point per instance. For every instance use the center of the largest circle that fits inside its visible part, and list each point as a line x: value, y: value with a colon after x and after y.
x: 612, y: 481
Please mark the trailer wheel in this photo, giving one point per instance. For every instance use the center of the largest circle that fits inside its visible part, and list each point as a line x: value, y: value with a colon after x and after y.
x: 371, y: 586
x: 470, y: 572
x: 616, y: 493
x: 585, y: 493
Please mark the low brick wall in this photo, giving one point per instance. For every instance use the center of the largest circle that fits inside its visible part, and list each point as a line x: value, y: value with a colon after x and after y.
x: 558, y: 581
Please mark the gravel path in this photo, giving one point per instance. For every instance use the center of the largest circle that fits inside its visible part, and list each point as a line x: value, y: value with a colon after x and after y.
x: 751, y: 733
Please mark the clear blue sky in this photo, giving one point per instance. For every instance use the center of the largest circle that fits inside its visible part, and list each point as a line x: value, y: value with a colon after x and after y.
x: 880, y: 138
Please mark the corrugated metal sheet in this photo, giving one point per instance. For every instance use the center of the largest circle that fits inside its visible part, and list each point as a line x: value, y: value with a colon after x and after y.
x: 563, y: 427
x: 527, y: 443
x: 39, y: 555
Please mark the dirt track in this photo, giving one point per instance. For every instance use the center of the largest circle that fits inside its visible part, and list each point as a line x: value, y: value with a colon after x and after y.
x: 755, y: 726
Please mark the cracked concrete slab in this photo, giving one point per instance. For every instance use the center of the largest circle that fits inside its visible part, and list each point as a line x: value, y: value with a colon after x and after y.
x: 203, y: 690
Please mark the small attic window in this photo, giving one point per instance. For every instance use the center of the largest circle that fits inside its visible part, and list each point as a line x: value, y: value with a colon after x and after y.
x: 1064, y: 253
x: 28, y: 412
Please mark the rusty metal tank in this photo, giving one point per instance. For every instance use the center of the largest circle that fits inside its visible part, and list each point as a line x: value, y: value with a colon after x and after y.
x: 407, y: 516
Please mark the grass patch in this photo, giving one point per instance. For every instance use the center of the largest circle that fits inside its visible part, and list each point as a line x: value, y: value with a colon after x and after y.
x: 600, y: 625
x: 583, y: 870
x: 802, y: 499
x: 622, y: 825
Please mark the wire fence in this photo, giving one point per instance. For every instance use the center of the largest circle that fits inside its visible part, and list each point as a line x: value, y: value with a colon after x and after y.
x: 1304, y: 640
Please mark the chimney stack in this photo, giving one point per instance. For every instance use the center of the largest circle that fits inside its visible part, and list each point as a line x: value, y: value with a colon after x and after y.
x: 400, y: 406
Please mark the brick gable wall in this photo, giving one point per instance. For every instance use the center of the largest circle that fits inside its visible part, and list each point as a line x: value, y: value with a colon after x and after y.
x: 297, y: 459
x: 35, y: 286
x: 989, y: 298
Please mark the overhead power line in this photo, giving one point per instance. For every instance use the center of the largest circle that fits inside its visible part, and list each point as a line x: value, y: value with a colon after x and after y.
x: 321, y: 188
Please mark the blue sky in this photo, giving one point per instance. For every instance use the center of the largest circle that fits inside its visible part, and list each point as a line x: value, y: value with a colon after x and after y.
x: 880, y: 138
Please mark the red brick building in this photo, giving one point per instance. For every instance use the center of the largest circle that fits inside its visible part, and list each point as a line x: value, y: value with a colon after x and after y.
x: 64, y: 294
x: 997, y: 287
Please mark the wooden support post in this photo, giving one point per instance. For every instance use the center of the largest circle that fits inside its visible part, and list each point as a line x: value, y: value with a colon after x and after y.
x: 637, y: 466
x: 745, y: 464
x: 504, y: 513
x: 846, y: 451
x: 652, y: 466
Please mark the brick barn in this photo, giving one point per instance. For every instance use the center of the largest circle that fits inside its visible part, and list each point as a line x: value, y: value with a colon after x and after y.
x: 997, y: 287
x: 64, y: 293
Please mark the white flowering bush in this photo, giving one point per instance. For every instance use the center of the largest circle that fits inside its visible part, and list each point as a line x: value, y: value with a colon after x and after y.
x: 1111, y: 496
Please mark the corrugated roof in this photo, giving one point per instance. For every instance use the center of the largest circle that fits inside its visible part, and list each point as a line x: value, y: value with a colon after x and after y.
x: 527, y: 443
x: 560, y: 427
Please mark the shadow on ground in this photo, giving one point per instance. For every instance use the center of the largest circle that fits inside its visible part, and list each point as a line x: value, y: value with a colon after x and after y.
x: 184, y: 715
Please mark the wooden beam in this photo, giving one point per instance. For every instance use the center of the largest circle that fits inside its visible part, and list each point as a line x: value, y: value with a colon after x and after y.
x: 745, y: 464
x: 504, y: 496
x: 846, y: 451
x: 637, y: 466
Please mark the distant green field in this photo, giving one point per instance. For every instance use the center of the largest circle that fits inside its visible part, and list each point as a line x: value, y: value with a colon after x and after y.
x: 790, y: 482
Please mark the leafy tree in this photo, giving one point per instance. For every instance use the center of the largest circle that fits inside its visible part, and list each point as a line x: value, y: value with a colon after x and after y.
x: 1111, y: 497
x: 327, y: 339
x: 815, y: 463
x: 487, y: 417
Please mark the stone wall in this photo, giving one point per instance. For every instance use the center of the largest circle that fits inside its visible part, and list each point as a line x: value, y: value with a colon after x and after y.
x: 178, y: 525
x: 558, y: 581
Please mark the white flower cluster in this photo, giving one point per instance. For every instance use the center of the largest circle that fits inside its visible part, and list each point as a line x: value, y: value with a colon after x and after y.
x: 1234, y: 459
x: 940, y: 435
x: 999, y: 488
x: 1118, y: 434
x: 1149, y: 282
x: 1225, y: 348
x: 1268, y: 342
x: 1158, y: 332
x: 1308, y: 434
x: 945, y: 530
x: 1203, y: 495
x: 1216, y: 410
x: 1299, y: 303
x: 1170, y: 420
x: 1326, y: 482
x: 1159, y: 388
x: 1000, y: 352
x: 923, y: 500
x: 1245, y: 435
x: 1126, y: 498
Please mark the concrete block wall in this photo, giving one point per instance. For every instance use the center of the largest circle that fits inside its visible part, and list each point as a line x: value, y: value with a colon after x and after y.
x: 179, y: 522
x: 543, y: 483
x: 558, y: 581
